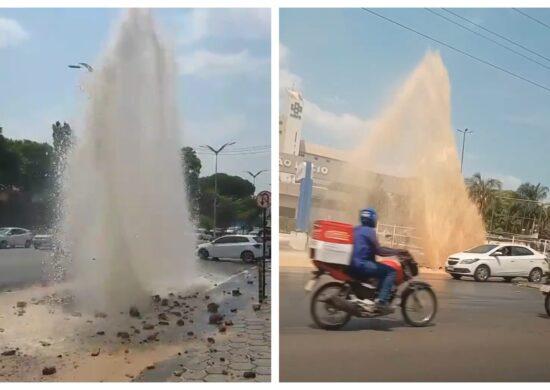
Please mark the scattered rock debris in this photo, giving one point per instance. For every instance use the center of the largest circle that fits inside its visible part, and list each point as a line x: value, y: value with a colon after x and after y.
x: 49, y: 370
x: 134, y: 312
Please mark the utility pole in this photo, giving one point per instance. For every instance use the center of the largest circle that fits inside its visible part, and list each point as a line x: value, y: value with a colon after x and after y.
x: 216, y: 152
x: 254, y: 175
x: 464, y: 133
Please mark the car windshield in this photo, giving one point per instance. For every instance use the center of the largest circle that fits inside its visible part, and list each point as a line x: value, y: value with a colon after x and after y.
x: 258, y: 239
x: 4, y: 230
x: 481, y: 249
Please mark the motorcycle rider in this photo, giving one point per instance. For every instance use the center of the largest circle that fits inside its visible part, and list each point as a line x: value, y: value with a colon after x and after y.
x: 363, y: 263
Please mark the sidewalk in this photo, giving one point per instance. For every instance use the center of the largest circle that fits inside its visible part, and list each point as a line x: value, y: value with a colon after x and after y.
x: 46, y: 333
x: 239, y: 350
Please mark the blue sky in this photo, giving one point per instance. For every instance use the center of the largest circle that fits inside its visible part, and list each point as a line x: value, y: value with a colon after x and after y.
x: 225, y: 75
x: 349, y: 63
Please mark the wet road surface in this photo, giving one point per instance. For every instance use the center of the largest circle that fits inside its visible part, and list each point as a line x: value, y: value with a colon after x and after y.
x: 493, y: 331
x: 20, y: 267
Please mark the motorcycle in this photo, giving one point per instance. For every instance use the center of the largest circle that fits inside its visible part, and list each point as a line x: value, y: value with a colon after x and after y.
x: 545, y: 290
x: 334, y: 303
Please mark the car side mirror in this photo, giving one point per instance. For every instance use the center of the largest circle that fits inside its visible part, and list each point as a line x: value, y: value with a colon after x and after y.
x: 497, y: 253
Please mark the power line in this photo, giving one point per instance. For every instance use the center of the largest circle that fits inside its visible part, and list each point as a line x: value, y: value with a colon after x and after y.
x: 532, y: 18
x: 487, y: 38
x: 459, y: 50
x: 496, y: 34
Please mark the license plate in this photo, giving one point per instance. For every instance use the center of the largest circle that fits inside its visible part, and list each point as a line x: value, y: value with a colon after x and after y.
x: 545, y: 289
x: 310, y: 284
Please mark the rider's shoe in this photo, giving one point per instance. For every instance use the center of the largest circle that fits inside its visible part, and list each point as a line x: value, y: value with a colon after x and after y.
x: 384, y: 307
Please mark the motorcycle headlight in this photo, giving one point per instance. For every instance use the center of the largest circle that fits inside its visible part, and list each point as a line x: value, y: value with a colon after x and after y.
x: 469, y: 261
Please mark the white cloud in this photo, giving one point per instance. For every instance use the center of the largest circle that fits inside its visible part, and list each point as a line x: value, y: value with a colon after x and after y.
x: 325, y: 120
x: 246, y: 24
x: 208, y: 63
x: 226, y: 128
x: 509, y: 182
x: 11, y: 33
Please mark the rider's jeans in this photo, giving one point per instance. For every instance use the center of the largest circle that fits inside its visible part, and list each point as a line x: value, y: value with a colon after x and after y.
x: 384, y: 273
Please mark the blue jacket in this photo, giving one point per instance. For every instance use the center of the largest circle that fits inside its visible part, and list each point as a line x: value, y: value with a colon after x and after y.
x: 366, y: 247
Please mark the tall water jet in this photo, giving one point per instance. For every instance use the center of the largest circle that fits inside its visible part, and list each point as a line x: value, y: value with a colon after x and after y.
x: 413, y: 139
x: 126, y: 220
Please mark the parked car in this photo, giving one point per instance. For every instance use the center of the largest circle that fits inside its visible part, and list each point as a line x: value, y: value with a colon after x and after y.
x: 13, y: 237
x: 498, y: 260
x: 43, y: 241
x: 247, y: 248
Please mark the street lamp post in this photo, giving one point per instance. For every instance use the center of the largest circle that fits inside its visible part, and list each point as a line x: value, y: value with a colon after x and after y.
x: 464, y: 132
x: 216, y: 152
x: 254, y: 175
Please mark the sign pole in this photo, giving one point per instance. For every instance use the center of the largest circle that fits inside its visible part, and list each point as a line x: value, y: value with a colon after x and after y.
x: 264, y: 201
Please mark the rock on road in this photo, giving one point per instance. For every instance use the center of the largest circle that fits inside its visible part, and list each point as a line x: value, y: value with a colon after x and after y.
x: 493, y: 331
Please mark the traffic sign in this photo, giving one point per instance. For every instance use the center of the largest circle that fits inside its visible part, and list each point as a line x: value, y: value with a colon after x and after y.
x: 264, y: 199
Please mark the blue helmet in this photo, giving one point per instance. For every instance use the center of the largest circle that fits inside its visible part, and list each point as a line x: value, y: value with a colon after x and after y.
x: 368, y: 217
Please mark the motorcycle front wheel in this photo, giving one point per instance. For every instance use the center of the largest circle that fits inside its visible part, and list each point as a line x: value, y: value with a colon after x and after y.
x: 324, y: 314
x: 419, y: 306
x: 547, y: 304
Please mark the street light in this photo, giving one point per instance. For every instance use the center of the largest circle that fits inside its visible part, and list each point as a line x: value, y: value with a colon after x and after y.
x: 216, y: 152
x: 254, y: 175
x: 464, y: 132
x: 81, y: 65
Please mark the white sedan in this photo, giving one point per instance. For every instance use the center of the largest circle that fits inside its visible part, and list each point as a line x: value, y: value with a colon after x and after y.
x: 498, y: 260
x: 247, y: 248
x: 12, y: 237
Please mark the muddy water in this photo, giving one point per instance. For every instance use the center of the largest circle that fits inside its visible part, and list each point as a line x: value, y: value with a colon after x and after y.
x: 412, y: 148
x: 126, y: 222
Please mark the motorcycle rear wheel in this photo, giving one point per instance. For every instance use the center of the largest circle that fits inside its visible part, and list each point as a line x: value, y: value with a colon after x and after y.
x: 318, y: 302
x: 406, y: 302
x: 547, y: 304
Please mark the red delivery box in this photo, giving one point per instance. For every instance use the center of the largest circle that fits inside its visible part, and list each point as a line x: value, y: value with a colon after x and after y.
x: 331, y: 242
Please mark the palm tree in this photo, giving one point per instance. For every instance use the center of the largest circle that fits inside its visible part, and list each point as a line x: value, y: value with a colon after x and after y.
x: 482, y: 192
x: 533, y: 211
x: 533, y: 192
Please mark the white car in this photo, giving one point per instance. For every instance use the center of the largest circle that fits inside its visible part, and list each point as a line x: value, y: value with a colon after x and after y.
x: 498, y: 260
x: 247, y: 248
x: 43, y: 241
x: 12, y: 237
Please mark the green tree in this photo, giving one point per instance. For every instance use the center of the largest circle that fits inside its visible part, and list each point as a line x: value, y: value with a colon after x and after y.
x: 236, y: 205
x: 532, y: 192
x: 191, y: 167
x: 534, y: 213
x: 228, y: 185
x: 482, y: 192
x: 35, y: 166
x: 10, y: 163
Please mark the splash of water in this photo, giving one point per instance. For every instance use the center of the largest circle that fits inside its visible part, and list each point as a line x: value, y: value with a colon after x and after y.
x: 126, y: 219
x: 413, y: 139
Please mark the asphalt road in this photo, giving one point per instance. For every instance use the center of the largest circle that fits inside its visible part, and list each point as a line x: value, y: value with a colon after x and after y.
x: 493, y: 331
x: 20, y: 267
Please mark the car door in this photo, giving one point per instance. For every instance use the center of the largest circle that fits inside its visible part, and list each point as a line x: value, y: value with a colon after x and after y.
x: 525, y: 260
x: 15, y: 239
x: 505, y: 263
x: 241, y: 244
x: 220, y: 247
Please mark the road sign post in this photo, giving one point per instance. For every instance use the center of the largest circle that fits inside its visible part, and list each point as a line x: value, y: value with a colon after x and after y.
x: 264, y: 201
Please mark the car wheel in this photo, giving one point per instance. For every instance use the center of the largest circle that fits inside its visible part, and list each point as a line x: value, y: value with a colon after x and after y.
x: 482, y: 273
x: 508, y: 279
x: 535, y: 276
x: 247, y: 257
x: 28, y: 244
x: 456, y: 276
x: 3, y: 245
x: 36, y: 247
x: 203, y: 254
